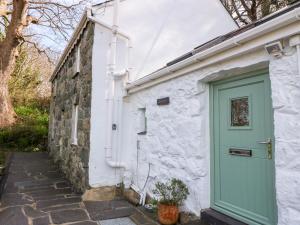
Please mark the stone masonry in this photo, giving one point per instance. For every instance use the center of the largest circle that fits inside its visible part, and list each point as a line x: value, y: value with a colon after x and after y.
x: 73, y: 88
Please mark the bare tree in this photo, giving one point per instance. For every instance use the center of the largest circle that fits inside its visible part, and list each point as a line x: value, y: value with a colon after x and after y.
x: 247, y: 11
x: 36, y: 22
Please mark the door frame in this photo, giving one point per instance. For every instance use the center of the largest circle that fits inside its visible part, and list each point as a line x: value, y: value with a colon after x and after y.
x: 212, y: 145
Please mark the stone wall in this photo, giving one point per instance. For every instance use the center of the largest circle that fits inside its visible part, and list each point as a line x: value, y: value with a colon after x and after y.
x: 71, y: 88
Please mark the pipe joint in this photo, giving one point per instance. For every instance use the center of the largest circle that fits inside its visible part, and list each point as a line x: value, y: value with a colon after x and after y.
x: 115, y: 164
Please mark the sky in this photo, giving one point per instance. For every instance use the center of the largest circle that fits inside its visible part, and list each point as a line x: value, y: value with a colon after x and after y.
x: 163, y: 30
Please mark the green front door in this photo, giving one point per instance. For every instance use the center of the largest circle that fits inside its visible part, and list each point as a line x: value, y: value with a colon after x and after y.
x: 243, y: 150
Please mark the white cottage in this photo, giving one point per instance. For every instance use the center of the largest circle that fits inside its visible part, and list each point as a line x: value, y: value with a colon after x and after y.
x: 135, y: 101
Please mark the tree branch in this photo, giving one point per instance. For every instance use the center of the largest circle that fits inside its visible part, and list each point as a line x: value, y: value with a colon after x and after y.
x: 237, y: 11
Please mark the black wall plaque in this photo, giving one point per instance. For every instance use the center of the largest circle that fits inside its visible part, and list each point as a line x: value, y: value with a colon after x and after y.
x: 163, y: 101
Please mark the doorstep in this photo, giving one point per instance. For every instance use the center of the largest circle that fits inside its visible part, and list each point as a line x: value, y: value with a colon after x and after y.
x: 213, y: 217
x: 116, y: 209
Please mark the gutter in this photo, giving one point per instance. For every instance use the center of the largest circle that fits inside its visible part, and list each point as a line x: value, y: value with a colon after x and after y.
x: 267, y: 27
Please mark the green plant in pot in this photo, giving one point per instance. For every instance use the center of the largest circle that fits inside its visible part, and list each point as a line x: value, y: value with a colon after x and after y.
x: 171, y: 195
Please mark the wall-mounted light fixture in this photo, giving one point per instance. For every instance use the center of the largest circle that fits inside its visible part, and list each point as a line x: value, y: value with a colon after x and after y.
x: 274, y: 49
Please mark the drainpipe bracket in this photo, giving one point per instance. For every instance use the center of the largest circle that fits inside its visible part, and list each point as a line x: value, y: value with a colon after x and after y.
x: 115, y: 164
x: 120, y: 74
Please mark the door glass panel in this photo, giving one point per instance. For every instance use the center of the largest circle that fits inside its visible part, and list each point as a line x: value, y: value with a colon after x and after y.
x: 240, y: 112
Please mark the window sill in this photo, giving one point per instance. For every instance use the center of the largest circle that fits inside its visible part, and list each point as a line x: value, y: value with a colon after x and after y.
x: 75, y: 75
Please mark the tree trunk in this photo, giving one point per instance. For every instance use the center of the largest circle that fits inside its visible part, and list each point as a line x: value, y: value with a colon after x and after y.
x: 9, y: 51
x: 7, y: 113
x: 7, y: 61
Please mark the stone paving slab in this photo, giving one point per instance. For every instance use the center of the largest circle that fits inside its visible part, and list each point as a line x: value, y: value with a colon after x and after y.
x: 36, y: 193
x: 105, y: 210
x: 86, y: 223
x: 45, y: 220
x: 56, y: 202
x: 62, y: 207
x: 29, y: 211
x: 120, y: 221
x: 70, y: 215
x: 13, y: 216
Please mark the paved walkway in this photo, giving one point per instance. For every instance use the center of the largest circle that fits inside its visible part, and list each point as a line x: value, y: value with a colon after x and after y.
x: 37, y: 194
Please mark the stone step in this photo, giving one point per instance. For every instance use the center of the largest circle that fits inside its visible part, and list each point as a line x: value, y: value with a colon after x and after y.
x: 212, y: 217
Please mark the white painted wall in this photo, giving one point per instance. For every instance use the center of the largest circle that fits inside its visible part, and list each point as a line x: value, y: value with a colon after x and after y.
x: 285, y: 79
x: 177, y: 143
x: 171, y: 27
x: 100, y: 174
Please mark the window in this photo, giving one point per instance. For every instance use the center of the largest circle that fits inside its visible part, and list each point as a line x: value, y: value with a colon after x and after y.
x: 240, y: 112
x: 74, y: 124
x: 61, y: 140
x: 52, y: 127
x: 76, y: 65
x: 54, y: 88
x: 142, y: 121
x: 77, y: 59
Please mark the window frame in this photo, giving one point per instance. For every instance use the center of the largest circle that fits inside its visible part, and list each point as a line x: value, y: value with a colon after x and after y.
x: 74, y: 132
x: 142, y: 124
x: 76, y: 66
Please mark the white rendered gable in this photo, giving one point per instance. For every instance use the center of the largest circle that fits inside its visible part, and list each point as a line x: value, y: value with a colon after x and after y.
x: 163, y: 30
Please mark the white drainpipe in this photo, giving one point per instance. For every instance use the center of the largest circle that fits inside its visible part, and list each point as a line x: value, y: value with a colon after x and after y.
x: 295, y: 42
x: 298, y: 53
x: 110, y: 93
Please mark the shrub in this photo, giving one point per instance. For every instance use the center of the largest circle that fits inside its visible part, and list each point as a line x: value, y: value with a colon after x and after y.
x: 173, y: 192
x: 30, y: 132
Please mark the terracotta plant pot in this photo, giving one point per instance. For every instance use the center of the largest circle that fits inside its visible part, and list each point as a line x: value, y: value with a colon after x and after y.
x: 168, y: 214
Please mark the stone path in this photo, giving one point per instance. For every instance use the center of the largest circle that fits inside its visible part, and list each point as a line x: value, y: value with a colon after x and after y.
x: 37, y: 194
